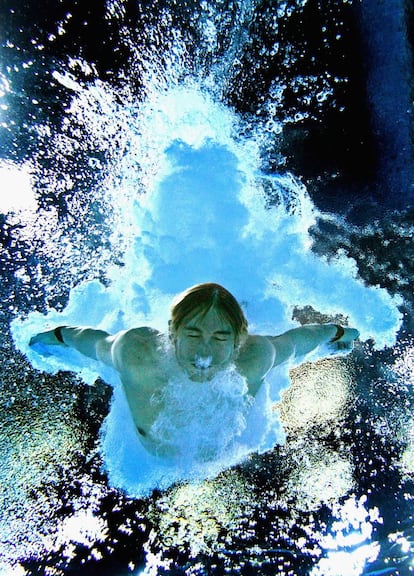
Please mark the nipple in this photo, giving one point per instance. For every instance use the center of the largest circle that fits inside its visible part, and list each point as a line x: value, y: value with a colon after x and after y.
x: 203, y: 363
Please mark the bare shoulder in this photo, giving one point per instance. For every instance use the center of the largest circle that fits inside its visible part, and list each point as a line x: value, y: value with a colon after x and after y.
x: 256, y: 357
x: 136, y: 346
x: 143, y: 333
x: 257, y: 344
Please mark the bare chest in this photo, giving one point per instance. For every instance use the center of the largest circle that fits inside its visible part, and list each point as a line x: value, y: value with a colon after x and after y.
x: 144, y: 394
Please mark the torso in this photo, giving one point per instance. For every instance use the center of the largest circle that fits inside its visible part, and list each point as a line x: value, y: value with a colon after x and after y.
x: 146, y: 363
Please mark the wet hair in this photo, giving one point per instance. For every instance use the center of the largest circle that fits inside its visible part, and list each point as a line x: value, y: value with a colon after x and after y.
x: 200, y: 299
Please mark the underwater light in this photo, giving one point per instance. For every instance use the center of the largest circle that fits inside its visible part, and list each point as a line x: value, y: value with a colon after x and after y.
x: 17, y: 192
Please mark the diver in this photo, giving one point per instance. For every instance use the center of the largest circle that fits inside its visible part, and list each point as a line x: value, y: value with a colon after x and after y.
x: 208, y: 333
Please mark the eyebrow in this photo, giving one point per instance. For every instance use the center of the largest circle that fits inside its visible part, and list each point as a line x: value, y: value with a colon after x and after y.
x: 220, y: 332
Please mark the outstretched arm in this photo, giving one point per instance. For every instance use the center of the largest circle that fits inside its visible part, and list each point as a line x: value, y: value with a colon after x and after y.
x: 299, y: 342
x: 93, y: 343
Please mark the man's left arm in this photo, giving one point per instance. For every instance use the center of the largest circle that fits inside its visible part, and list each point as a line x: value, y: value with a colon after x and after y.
x: 299, y: 342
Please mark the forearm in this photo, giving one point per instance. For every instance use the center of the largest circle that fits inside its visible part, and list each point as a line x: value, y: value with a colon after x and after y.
x: 295, y: 344
x: 308, y: 337
x: 299, y: 342
x: 87, y: 341
x: 93, y: 343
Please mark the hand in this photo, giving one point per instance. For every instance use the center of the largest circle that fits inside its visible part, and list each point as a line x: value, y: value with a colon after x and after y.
x: 48, y: 338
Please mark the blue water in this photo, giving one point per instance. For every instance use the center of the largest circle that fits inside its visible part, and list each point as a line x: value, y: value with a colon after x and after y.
x: 139, y: 177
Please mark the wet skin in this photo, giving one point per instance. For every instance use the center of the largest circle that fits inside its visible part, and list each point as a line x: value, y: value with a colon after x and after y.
x: 205, y: 345
x: 202, y: 346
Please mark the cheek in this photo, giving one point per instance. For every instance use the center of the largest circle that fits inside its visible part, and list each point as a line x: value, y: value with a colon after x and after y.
x: 225, y: 353
x: 184, y: 348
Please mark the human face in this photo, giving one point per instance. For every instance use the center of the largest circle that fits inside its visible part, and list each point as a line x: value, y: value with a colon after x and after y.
x: 204, y: 345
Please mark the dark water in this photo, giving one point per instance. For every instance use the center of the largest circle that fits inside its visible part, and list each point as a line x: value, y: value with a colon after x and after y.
x: 329, y: 93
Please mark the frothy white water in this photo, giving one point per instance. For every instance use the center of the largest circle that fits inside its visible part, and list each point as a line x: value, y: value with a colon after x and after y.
x: 192, y: 206
x: 204, y: 429
x: 199, y: 422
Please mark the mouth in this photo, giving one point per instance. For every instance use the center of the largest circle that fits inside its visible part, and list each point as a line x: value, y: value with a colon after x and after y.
x: 202, y: 369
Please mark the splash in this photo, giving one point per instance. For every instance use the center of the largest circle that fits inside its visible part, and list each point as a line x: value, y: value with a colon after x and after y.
x: 192, y: 204
x: 353, y: 528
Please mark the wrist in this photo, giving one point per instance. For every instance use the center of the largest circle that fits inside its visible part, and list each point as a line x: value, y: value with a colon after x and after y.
x: 339, y: 333
x: 58, y: 334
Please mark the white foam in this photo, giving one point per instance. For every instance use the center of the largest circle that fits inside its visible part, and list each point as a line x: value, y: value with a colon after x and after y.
x: 204, y: 430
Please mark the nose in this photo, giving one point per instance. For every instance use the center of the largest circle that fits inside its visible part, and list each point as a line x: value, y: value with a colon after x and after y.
x: 203, y: 356
x: 203, y: 349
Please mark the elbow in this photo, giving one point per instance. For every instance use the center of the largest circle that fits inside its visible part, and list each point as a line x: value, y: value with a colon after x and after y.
x: 103, y: 350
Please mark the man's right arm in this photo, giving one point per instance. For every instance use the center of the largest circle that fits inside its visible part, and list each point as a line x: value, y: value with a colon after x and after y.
x: 96, y: 344
x: 126, y: 351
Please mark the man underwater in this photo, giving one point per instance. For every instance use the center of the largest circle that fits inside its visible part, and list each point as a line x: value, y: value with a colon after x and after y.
x: 208, y: 335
